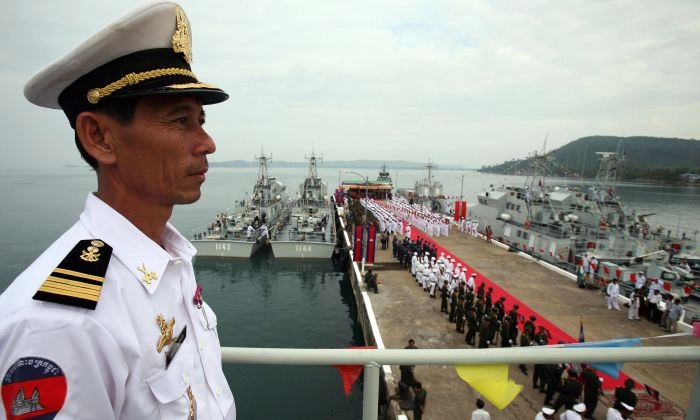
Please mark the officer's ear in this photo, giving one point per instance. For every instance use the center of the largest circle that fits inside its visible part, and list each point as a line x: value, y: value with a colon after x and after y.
x: 95, y: 135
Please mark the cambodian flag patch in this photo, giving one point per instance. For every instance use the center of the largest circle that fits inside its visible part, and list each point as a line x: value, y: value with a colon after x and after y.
x: 33, y: 388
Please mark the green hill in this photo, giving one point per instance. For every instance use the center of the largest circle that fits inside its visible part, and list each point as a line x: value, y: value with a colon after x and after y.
x: 645, y: 158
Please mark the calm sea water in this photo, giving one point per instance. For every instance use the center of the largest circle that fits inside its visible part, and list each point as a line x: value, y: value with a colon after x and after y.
x: 266, y: 302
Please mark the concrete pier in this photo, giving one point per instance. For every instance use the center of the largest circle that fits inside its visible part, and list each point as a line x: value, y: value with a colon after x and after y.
x: 403, y: 310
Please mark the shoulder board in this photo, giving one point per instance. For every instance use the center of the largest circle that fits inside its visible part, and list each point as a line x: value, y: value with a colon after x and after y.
x: 78, y: 279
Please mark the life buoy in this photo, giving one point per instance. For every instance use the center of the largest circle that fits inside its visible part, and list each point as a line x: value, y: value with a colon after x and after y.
x: 527, y: 224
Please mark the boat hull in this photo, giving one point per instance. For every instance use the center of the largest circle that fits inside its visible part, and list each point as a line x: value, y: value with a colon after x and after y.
x: 302, y: 250
x: 226, y: 248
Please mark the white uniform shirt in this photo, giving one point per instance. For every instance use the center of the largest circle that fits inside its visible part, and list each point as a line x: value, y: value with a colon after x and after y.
x: 480, y: 414
x: 108, y: 356
x: 570, y: 415
x: 613, y: 414
x: 655, y: 285
x: 641, y: 281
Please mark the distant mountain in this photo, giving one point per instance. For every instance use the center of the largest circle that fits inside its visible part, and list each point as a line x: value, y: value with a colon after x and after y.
x: 645, y: 158
x: 344, y: 164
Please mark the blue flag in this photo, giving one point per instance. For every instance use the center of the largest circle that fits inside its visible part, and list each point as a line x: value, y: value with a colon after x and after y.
x: 610, y: 369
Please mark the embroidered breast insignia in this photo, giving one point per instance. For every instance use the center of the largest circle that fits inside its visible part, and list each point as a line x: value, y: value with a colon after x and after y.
x: 148, y: 276
x: 166, y: 332
x: 78, y: 279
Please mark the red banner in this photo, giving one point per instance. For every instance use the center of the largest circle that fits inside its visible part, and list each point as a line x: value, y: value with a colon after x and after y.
x: 460, y: 210
x: 339, y: 195
x: 357, y: 244
x: 371, y: 241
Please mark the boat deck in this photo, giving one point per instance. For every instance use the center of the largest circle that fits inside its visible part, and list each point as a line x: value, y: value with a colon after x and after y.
x: 404, y: 311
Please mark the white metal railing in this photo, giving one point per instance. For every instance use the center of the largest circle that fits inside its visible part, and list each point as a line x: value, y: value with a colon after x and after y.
x: 373, y: 359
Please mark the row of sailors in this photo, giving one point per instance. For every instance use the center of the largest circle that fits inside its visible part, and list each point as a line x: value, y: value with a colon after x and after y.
x: 433, y: 224
x: 474, y: 310
x: 388, y: 222
x: 470, y: 226
x: 487, y: 323
x: 431, y: 272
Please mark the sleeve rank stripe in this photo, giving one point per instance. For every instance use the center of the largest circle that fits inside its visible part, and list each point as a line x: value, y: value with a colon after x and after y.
x: 59, y: 270
x: 78, y: 279
x: 64, y: 291
x: 55, y: 276
x: 72, y: 285
x: 66, y: 300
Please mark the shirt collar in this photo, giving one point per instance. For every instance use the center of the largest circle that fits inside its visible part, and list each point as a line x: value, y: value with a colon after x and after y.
x: 145, y: 259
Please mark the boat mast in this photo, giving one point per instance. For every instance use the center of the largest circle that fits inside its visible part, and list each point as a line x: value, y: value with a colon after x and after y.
x: 261, y: 191
x: 610, y: 166
x: 263, y: 177
x: 431, y: 189
x: 540, y: 164
x: 312, y: 180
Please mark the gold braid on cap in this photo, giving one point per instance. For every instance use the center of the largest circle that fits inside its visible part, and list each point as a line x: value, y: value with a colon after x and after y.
x: 94, y: 95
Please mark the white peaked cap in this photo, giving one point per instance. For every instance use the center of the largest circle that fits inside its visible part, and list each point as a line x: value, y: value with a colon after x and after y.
x: 147, y: 52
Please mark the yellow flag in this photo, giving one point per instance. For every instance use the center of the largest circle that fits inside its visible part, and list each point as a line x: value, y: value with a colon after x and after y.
x: 491, y: 381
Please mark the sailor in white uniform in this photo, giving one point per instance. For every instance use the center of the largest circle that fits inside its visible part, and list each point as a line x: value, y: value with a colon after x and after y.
x: 462, y: 276
x: 471, y: 282
x: 414, y: 263
x: 641, y: 281
x: 425, y: 278
x: 613, y: 293
x: 263, y: 232
x: 654, y: 284
x: 109, y: 322
x: 434, y: 276
x: 249, y: 232
x: 452, y: 285
x: 419, y: 272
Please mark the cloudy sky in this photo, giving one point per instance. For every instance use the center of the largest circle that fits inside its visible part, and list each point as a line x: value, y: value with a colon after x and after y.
x: 466, y: 82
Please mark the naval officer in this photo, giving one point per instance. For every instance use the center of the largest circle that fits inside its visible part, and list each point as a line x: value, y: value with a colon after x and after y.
x: 109, y: 322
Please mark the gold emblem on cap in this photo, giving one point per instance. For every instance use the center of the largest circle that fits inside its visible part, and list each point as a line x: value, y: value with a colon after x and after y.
x: 182, y: 38
x: 166, y: 332
x: 148, y: 276
x: 92, y: 253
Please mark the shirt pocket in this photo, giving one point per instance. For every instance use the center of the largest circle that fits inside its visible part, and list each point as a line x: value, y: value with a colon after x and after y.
x: 170, y: 386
